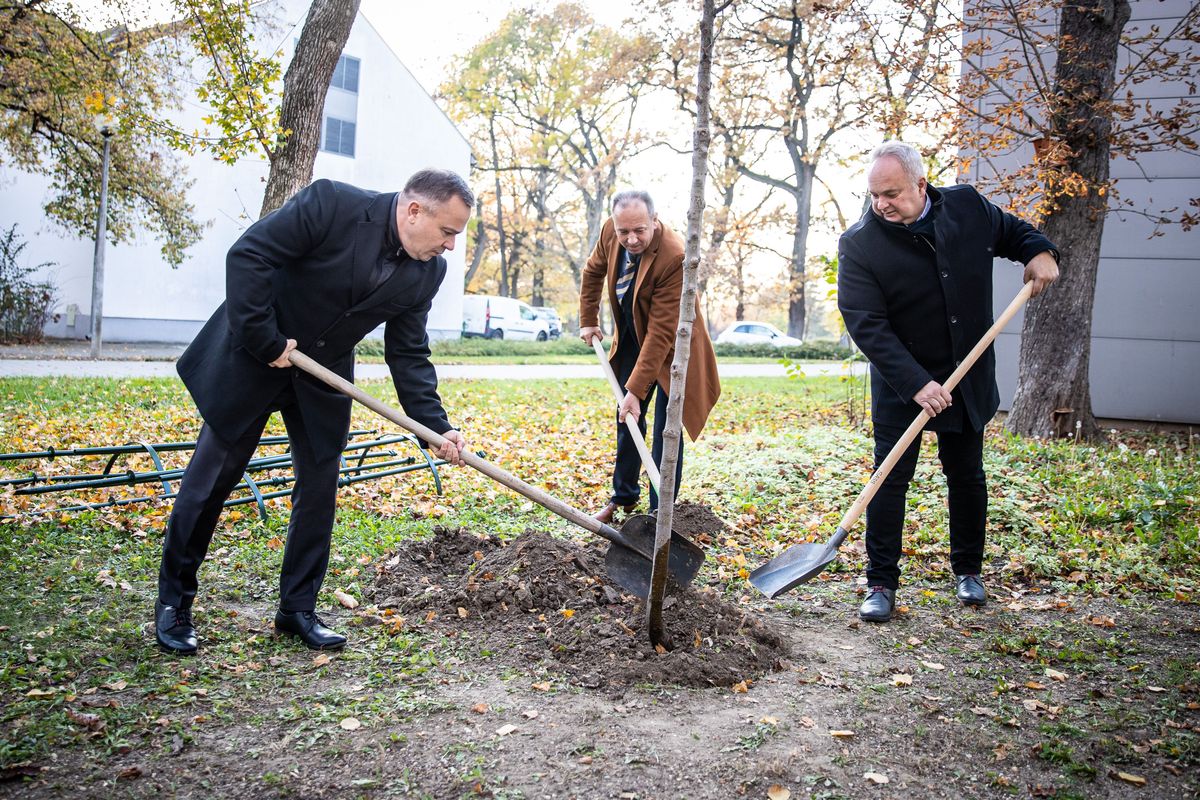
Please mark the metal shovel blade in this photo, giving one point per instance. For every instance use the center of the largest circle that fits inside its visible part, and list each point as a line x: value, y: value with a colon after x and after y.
x: 796, y: 565
x: 630, y: 569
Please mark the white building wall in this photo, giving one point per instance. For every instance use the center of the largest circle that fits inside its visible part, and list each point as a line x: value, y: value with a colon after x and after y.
x: 399, y: 131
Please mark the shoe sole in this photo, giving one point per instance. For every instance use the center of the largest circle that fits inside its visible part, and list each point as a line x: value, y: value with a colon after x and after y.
x: 973, y: 603
x: 179, y: 651
x: 866, y: 618
x: 327, y: 648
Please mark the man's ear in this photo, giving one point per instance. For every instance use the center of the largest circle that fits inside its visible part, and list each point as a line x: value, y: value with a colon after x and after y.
x: 412, y: 210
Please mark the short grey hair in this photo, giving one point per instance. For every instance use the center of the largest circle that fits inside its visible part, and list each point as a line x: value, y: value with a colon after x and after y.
x: 631, y: 196
x: 906, y: 154
x: 436, y: 186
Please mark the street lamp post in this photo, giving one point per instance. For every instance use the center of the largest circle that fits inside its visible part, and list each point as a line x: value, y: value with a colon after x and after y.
x: 104, y: 123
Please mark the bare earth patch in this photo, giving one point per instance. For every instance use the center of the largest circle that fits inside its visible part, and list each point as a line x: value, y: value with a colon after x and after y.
x: 542, y: 684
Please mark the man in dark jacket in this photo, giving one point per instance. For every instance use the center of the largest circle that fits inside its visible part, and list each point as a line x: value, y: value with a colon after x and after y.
x: 915, y: 290
x: 321, y: 272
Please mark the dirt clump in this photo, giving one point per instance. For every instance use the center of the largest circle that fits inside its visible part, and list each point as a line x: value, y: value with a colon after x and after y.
x: 546, y: 600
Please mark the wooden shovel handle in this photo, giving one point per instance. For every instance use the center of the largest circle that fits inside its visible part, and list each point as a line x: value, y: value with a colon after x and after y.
x: 914, y: 430
x: 619, y: 394
x: 486, y: 467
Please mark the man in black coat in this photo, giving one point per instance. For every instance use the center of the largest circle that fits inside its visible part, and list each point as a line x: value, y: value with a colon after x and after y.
x: 319, y: 273
x: 915, y: 290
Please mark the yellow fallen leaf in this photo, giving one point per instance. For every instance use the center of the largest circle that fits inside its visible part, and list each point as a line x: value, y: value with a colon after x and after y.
x: 567, y: 613
x: 1034, y: 685
x: 841, y: 734
x: 1054, y: 674
x: 321, y: 660
x: 345, y: 599
x: 506, y: 730
x: 1136, y: 780
x: 777, y: 792
x: 39, y: 693
x: 350, y: 724
x: 543, y: 686
x: 462, y: 613
x: 933, y: 665
x: 876, y: 777
x: 481, y: 708
x: 769, y: 721
x: 902, y: 679
x: 740, y: 687
x: 274, y: 543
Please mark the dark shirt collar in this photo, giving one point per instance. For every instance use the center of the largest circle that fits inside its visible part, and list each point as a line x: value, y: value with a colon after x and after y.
x: 391, y: 242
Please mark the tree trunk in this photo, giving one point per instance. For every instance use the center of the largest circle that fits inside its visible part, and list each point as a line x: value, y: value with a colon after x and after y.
x: 304, y: 86
x: 798, y: 269
x: 481, y: 241
x: 501, y: 239
x: 673, y: 431
x: 1053, y: 397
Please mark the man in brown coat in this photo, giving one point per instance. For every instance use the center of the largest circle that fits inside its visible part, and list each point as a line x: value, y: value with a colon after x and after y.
x: 641, y: 261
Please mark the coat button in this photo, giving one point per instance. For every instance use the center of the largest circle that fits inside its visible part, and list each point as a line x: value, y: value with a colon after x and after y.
x: 945, y: 274
x: 348, y: 313
x: 953, y: 321
x: 320, y: 342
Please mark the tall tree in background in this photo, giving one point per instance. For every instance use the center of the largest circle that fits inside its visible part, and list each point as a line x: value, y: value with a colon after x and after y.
x: 1045, y: 80
x: 828, y: 60
x: 55, y: 73
x: 549, y: 101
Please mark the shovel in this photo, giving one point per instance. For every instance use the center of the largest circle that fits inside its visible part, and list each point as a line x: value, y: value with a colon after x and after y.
x: 802, y: 562
x: 627, y: 562
x: 630, y: 423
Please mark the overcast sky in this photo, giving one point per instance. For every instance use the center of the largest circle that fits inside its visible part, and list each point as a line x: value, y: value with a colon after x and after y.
x: 427, y: 35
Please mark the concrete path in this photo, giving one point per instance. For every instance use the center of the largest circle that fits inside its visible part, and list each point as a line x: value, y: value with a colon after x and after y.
x: 72, y: 359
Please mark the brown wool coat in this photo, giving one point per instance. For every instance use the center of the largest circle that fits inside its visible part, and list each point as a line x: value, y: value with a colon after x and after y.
x: 656, y: 294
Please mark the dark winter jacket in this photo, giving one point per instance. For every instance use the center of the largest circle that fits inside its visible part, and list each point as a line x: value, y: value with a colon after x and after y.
x: 916, y: 307
x: 305, y: 272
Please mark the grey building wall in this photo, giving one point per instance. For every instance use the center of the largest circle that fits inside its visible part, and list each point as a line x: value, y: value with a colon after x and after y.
x: 1145, y: 354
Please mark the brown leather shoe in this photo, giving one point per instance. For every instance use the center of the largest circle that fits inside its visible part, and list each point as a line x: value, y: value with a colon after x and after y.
x: 605, y: 514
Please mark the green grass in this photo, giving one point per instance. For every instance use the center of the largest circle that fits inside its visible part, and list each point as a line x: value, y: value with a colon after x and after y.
x: 779, y: 462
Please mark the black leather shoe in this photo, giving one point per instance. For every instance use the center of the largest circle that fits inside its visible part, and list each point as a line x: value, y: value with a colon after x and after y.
x: 605, y: 514
x: 970, y: 590
x: 173, y: 629
x: 878, y: 606
x: 308, y: 626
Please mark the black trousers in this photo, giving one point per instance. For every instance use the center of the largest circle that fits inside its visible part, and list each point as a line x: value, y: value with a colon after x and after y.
x: 961, y: 455
x: 215, y: 469
x: 627, y: 471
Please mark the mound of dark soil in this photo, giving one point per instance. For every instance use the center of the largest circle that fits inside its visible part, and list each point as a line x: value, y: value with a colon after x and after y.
x: 545, y: 600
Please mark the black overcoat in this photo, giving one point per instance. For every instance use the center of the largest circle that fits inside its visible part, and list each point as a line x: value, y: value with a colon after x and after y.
x: 305, y: 272
x: 916, y: 308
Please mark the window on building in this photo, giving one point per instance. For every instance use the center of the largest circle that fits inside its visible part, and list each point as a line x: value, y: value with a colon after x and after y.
x: 345, y: 75
x: 339, y: 137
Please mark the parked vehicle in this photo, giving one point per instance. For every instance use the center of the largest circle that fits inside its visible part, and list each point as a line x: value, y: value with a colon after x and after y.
x: 495, y: 317
x: 746, y: 332
x: 552, y: 319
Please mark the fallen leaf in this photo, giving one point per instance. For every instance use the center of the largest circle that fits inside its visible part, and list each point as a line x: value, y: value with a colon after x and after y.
x: 462, y: 613
x: 350, y: 724
x: 129, y: 773
x: 39, y: 693
x: 1155, y: 689
x: 902, y: 679
x: 739, y: 687
x: 481, y: 708
x: 345, y: 599
x: 567, y: 613
x: 1034, y: 685
x: 808, y: 722
x: 933, y: 665
x: 876, y: 777
x: 90, y: 721
x: 769, y: 721
x: 841, y: 734
x: 658, y: 648
x: 980, y: 711
x: 777, y: 792
x: 321, y: 660
x: 274, y: 543
x: 1136, y: 780
x: 506, y: 730
x: 1054, y: 674
x: 116, y: 686
x: 585, y: 760
x: 530, y: 714
x: 543, y: 686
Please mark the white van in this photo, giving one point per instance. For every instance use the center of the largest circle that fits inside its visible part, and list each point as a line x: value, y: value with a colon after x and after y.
x: 494, y: 317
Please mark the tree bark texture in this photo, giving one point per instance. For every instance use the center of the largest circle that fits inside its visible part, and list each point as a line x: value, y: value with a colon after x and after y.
x: 1053, y: 397
x: 304, y: 87
x: 673, y: 430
